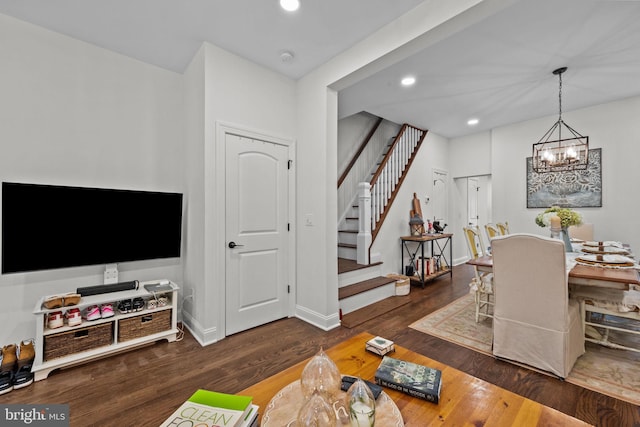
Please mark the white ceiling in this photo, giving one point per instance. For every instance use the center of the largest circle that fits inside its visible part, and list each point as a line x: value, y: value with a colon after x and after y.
x: 498, y: 69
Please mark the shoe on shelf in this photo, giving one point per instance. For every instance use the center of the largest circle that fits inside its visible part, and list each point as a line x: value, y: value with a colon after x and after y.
x: 152, y: 304
x: 26, y: 353
x: 163, y: 301
x: 124, y: 306
x: 23, y: 377
x: 6, y: 382
x: 92, y: 313
x: 106, y: 310
x: 138, y: 304
x: 55, y: 301
x: 73, y: 316
x: 55, y: 320
x: 72, y: 299
x: 9, y: 357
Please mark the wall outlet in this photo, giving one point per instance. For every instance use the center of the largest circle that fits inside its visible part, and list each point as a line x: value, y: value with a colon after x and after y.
x: 111, y: 274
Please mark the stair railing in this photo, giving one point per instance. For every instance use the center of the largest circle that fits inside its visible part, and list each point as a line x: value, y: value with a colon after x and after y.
x: 391, y: 172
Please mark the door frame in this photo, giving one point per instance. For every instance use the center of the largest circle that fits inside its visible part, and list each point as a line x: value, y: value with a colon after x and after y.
x: 218, y: 246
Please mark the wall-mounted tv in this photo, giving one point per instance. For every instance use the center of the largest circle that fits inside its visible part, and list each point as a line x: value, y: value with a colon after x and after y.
x: 50, y: 227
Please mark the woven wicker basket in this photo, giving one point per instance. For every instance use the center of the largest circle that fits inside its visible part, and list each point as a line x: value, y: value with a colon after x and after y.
x: 77, y: 340
x: 144, y: 324
x: 403, y: 284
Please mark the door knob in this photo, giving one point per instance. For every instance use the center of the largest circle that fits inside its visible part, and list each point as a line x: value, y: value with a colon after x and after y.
x: 233, y: 245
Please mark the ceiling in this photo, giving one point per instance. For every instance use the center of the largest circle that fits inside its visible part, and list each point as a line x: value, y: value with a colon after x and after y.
x: 498, y: 70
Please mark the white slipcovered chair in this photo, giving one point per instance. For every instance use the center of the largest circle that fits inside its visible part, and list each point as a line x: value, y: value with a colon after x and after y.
x: 582, y: 232
x: 534, y: 321
x: 482, y: 283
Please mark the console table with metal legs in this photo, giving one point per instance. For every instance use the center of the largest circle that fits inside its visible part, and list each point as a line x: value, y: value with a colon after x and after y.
x: 437, y: 245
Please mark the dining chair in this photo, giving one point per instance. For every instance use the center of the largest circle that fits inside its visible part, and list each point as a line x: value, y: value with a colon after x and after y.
x: 482, y: 283
x: 503, y: 227
x: 534, y: 322
x: 582, y: 232
x: 492, y: 231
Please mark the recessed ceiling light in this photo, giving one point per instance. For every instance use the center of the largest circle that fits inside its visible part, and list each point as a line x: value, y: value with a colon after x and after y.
x: 408, y: 81
x: 290, y: 5
x: 473, y: 122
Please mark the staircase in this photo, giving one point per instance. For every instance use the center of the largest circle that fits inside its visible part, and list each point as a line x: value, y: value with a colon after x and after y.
x: 360, y: 283
x: 363, y: 293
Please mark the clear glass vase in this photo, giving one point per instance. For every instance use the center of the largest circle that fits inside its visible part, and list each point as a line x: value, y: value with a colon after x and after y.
x: 361, y: 404
x: 321, y: 374
x: 316, y: 412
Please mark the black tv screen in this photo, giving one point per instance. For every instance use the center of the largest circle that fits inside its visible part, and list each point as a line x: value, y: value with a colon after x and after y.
x: 49, y: 227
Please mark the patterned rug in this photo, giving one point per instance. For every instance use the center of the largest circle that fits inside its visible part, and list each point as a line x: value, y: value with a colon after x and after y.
x: 612, y: 372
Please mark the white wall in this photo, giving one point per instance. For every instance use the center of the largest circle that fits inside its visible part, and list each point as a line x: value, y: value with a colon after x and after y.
x: 75, y: 114
x: 317, y: 290
x: 433, y: 154
x: 222, y: 89
x: 614, y: 128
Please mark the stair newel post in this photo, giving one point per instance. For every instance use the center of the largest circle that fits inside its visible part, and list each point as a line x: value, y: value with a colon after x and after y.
x: 364, y: 226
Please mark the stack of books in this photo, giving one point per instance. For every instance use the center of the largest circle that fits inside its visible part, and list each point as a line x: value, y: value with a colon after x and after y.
x: 411, y: 378
x: 380, y: 346
x: 213, y: 409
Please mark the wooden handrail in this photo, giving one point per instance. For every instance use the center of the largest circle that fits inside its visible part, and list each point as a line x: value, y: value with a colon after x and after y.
x: 395, y: 191
x: 359, y: 152
x: 384, y: 161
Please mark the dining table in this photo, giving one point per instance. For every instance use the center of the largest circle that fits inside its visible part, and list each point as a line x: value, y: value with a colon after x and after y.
x: 601, y: 291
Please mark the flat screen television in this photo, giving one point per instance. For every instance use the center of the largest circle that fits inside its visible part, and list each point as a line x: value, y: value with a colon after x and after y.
x: 50, y: 227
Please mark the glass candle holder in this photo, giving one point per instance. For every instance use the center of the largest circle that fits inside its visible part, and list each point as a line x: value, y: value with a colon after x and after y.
x: 361, y: 404
x: 316, y: 412
x: 321, y: 374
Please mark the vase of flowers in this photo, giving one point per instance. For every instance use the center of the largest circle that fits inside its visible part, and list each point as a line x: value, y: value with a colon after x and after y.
x: 568, y: 217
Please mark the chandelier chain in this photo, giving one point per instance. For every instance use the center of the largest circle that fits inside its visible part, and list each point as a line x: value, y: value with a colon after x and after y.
x: 560, y: 95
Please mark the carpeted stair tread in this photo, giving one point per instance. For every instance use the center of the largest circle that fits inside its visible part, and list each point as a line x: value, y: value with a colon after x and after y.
x: 369, y: 312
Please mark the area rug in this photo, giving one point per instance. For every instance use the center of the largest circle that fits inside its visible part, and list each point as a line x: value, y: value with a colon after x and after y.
x: 612, y: 372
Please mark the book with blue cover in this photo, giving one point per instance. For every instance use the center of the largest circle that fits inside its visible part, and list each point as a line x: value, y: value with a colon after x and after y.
x: 411, y: 378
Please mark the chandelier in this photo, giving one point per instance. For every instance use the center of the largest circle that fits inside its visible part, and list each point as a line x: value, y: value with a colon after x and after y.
x: 562, y: 153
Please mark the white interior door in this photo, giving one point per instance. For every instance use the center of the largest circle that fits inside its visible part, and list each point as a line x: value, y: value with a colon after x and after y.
x: 439, y: 199
x: 256, y: 232
x: 472, y: 200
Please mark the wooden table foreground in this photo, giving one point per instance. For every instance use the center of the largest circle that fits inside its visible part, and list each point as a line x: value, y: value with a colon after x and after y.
x: 464, y: 400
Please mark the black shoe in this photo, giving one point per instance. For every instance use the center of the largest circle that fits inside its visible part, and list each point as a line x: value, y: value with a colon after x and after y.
x: 138, y: 304
x: 23, y: 377
x: 6, y: 381
x: 124, y: 306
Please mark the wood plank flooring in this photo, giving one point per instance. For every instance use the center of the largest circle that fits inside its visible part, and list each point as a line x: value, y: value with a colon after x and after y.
x: 142, y: 387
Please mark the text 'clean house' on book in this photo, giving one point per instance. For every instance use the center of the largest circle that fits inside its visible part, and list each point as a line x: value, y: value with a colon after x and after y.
x: 213, y: 409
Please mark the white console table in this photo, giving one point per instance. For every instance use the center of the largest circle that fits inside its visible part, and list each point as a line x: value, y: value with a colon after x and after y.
x: 117, y: 333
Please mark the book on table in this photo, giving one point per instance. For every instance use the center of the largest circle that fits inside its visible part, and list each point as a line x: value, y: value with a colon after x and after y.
x: 380, y: 346
x: 411, y: 378
x: 213, y: 409
x: 251, y: 419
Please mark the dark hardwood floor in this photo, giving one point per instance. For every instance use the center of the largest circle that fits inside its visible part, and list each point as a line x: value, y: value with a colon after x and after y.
x: 142, y: 387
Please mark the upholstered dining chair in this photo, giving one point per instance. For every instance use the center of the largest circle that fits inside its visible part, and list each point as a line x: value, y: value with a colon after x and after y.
x: 503, y: 227
x: 582, y: 232
x: 534, y: 321
x: 482, y: 283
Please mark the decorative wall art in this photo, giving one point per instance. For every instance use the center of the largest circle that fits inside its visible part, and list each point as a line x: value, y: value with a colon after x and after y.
x: 573, y: 189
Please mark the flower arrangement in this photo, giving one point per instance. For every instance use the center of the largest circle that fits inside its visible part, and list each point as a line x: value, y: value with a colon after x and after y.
x: 567, y: 216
